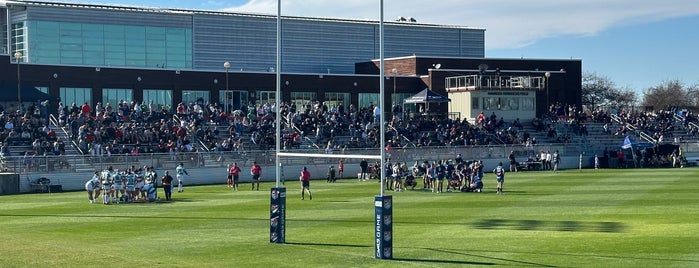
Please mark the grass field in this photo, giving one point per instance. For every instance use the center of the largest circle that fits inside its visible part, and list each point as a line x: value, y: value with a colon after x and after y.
x: 606, y: 218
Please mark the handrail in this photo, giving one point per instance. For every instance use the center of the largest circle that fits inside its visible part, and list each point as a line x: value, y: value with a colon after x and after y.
x: 203, y: 145
x: 622, y: 122
x: 678, y: 117
x: 402, y: 137
x: 295, y: 128
x: 692, y: 124
x: 53, y: 120
x: 647, y: 137
x: 616, y: 118
x: 176, y: 119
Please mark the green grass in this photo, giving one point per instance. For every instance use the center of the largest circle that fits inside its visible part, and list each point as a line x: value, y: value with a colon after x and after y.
x: 606, y: 218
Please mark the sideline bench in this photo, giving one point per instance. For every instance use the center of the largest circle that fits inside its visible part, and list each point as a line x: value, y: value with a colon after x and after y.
x: 533, y: 165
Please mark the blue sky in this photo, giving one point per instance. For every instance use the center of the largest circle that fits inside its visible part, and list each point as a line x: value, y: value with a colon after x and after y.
x: 636, y: 43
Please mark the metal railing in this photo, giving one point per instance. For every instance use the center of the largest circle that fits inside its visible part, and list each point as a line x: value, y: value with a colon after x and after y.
x: 54, y: 121
x: 88, y: 163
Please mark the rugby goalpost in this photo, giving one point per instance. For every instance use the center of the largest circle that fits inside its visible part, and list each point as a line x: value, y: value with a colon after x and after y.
x: 383, y: 204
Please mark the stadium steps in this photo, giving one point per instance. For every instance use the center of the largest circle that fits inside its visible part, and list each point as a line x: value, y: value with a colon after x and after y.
x: 61, y: 134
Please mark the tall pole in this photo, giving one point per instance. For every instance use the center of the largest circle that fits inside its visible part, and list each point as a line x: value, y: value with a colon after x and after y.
x: 18, y: 57
x: 383, y: 204
x: 547, y: 75
x: 226, y: 65
x: 277, y: 208
x: 278, y: 93
x: 394, y: 99
x: 381, y: 98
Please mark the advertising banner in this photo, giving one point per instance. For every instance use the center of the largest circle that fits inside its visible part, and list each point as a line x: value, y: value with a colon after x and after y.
x: 383, y: 227
x: 277, y: 216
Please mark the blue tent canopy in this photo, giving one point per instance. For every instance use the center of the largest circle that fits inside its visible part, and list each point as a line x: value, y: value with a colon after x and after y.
x: 427, y: 96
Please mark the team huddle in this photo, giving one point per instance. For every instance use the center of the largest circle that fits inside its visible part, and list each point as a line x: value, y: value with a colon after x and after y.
x: 131, y: 185
x: 454, y: 175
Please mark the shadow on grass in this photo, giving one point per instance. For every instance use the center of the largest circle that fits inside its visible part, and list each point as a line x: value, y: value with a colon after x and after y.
x: 487, y: 257
x: 444, y: 261
x: 541, y: 225
x: 583, y: 255
x: 395, y: 259
x: 326, y: 244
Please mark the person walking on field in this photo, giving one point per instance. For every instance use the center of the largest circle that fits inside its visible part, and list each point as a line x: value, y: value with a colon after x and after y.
x: 233, y: 176
x: 181, y: 172
x: 166, y: 181
x: 499, y: 176
x: 255, y: 171
x: 305, y: 179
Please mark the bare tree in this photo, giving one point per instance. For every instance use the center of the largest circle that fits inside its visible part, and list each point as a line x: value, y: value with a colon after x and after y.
x: 671, y: 93
x: 600, y: 91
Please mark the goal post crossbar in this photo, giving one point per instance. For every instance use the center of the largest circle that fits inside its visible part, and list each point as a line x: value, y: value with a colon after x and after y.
x: 353, y: 156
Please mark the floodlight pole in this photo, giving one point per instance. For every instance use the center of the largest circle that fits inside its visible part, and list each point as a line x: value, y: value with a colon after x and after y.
x: 226, y: 65
x: 547, y: 75
x: 18, y: 57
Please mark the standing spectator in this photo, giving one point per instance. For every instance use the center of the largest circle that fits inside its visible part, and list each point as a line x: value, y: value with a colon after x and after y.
x: 181, y: 172
x: 255, y: 171
x: 166, y: 180
x: 513, y: 162
x: 331, y: 174
x: 305, y: 179
x: 364, y: 165
x: 340, y: 169
x: 233, y: 175
x: 620, y: 159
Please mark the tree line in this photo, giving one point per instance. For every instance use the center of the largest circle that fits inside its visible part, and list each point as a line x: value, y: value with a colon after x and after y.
x: 600, y: 92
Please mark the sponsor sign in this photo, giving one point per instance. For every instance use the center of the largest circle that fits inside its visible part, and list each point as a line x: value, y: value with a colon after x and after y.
x: 277, y: 215
x: 383, y: 227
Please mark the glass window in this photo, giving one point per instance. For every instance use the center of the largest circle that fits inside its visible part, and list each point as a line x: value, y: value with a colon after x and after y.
x: 160, y: 97
x: 266, y: 97
x: 79, y: 96
x: 490, y: 103
x: 475, y: 103
x: 398, y: 98
x: 43, y: 89
x: 509, y: 104
x: 198, y: 96
x: 236, y: 99
x: 101, y: 44
x: 366, y: 99
x: 114, y: 96
x: 335, y: 99
x: 527, y: 104
x: 303, y: 98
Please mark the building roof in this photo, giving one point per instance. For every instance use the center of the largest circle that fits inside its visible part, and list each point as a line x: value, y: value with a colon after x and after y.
x: 117, y: 7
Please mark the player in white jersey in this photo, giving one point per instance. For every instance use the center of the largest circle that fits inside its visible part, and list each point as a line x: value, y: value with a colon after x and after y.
x: 129, y: 182
x: 107, y: 177
x: 92, y: 187
x: 139, y: 183
x: 181, y: 172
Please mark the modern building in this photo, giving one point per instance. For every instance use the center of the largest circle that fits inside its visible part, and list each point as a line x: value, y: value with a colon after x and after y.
x: 106, y: 53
